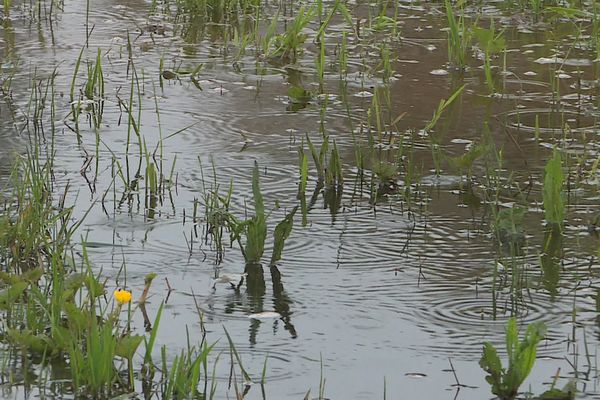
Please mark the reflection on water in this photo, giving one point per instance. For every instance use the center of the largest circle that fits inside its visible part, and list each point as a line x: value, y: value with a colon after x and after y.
x: 550, y: 259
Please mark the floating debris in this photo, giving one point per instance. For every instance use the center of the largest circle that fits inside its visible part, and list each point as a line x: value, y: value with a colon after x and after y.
x: 233, y: 279
x: 439, y: 72
x: 364, y: 93
x: 265, y: 315
x: 549, y: 60
x: 417, y: 375
x: 168, y: 75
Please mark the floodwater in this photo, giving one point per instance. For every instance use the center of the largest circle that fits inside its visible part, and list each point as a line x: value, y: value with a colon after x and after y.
x: 368, y: 293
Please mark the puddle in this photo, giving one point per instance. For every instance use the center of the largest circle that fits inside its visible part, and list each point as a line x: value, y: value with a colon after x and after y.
x: 387, y: 285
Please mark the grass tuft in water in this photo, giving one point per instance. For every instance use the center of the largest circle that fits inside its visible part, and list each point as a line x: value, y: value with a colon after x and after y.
x: 251, y: 234
x: 459, y: 39
x: 521, y: 358
x: 554, y: 207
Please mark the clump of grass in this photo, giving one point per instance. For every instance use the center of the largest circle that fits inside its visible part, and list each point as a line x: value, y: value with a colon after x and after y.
x: 459, y: 38
x: 7, y: 4
x: 182, y: 378
x: 521, y: 358
x: 508, y: 226
x: 52, y: 311
x: 254, y: 229
x: 216, y: 211
x: 554, y: 207
x: 490, y: 43
x: 386, y: 174
x: 464, y: 162
x: 287, y: 46
x: 327, y: 163
x: 251, y: 234
x: 32, y: 228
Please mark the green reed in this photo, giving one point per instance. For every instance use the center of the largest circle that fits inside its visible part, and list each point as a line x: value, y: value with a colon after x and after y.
x: 251, y: 233
x: 553, y: 195
x: 343, y: 56
x: 288, y: 45
x: 320, y: 61
x: 216, y: 212
x: 32, y: 226
x: 595, y: 36
x: 459, y: 38
x: 301, y: 195
x: 255, y: 229
x: 182, y: 378
x: 491, y: 43
x: 7, y: 4
x: 443, y: 105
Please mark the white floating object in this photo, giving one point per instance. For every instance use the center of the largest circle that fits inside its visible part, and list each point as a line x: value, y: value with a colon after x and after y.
x: 500, y: 267
x: 220, y: 90
x: 233, y: 279
x: 530, y: 73
x: 439, y: 72
x: 415, y: 375
x: 461, y: 141
x: 563, y: 76
x: 265, y: 315
x: 548, y: 60
x: 364, y: 93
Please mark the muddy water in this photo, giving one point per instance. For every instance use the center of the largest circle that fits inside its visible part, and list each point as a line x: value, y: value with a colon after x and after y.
x: 369, y: 293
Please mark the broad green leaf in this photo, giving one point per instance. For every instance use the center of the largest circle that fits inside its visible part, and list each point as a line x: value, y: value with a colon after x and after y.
x: 259, y: 206
x: 554, y: 208
x: 490, y: 362
x: 512, y: 339
x: 127, y: 346
x: 78, y: 320
x: 299, y: 95
x: 40, y: 344
x: 95, y: 288
x: 316, y: 159
x: 282, y: 232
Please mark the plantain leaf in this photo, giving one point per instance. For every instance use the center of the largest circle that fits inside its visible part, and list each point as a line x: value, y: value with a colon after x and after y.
x: 282, y: 232
x: 127, y: 346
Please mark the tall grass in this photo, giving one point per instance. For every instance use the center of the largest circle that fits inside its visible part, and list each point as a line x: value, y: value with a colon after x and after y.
x: 554, y: 207
x: 490, y: 43
x: 459, y: 38
x: 7, y: 4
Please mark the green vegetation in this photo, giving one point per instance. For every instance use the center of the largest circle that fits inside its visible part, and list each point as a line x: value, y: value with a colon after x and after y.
x: 406, y: 173
x: 491, y: 43
x: 251, y: 234
x: 505, y: 382
x: 459, y: 38
x: 554, y: 207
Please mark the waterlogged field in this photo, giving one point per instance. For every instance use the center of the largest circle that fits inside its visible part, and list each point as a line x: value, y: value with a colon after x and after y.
x: 287, y: 200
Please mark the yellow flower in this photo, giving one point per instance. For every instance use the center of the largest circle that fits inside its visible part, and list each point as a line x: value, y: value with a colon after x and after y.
x: 122, y: 296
